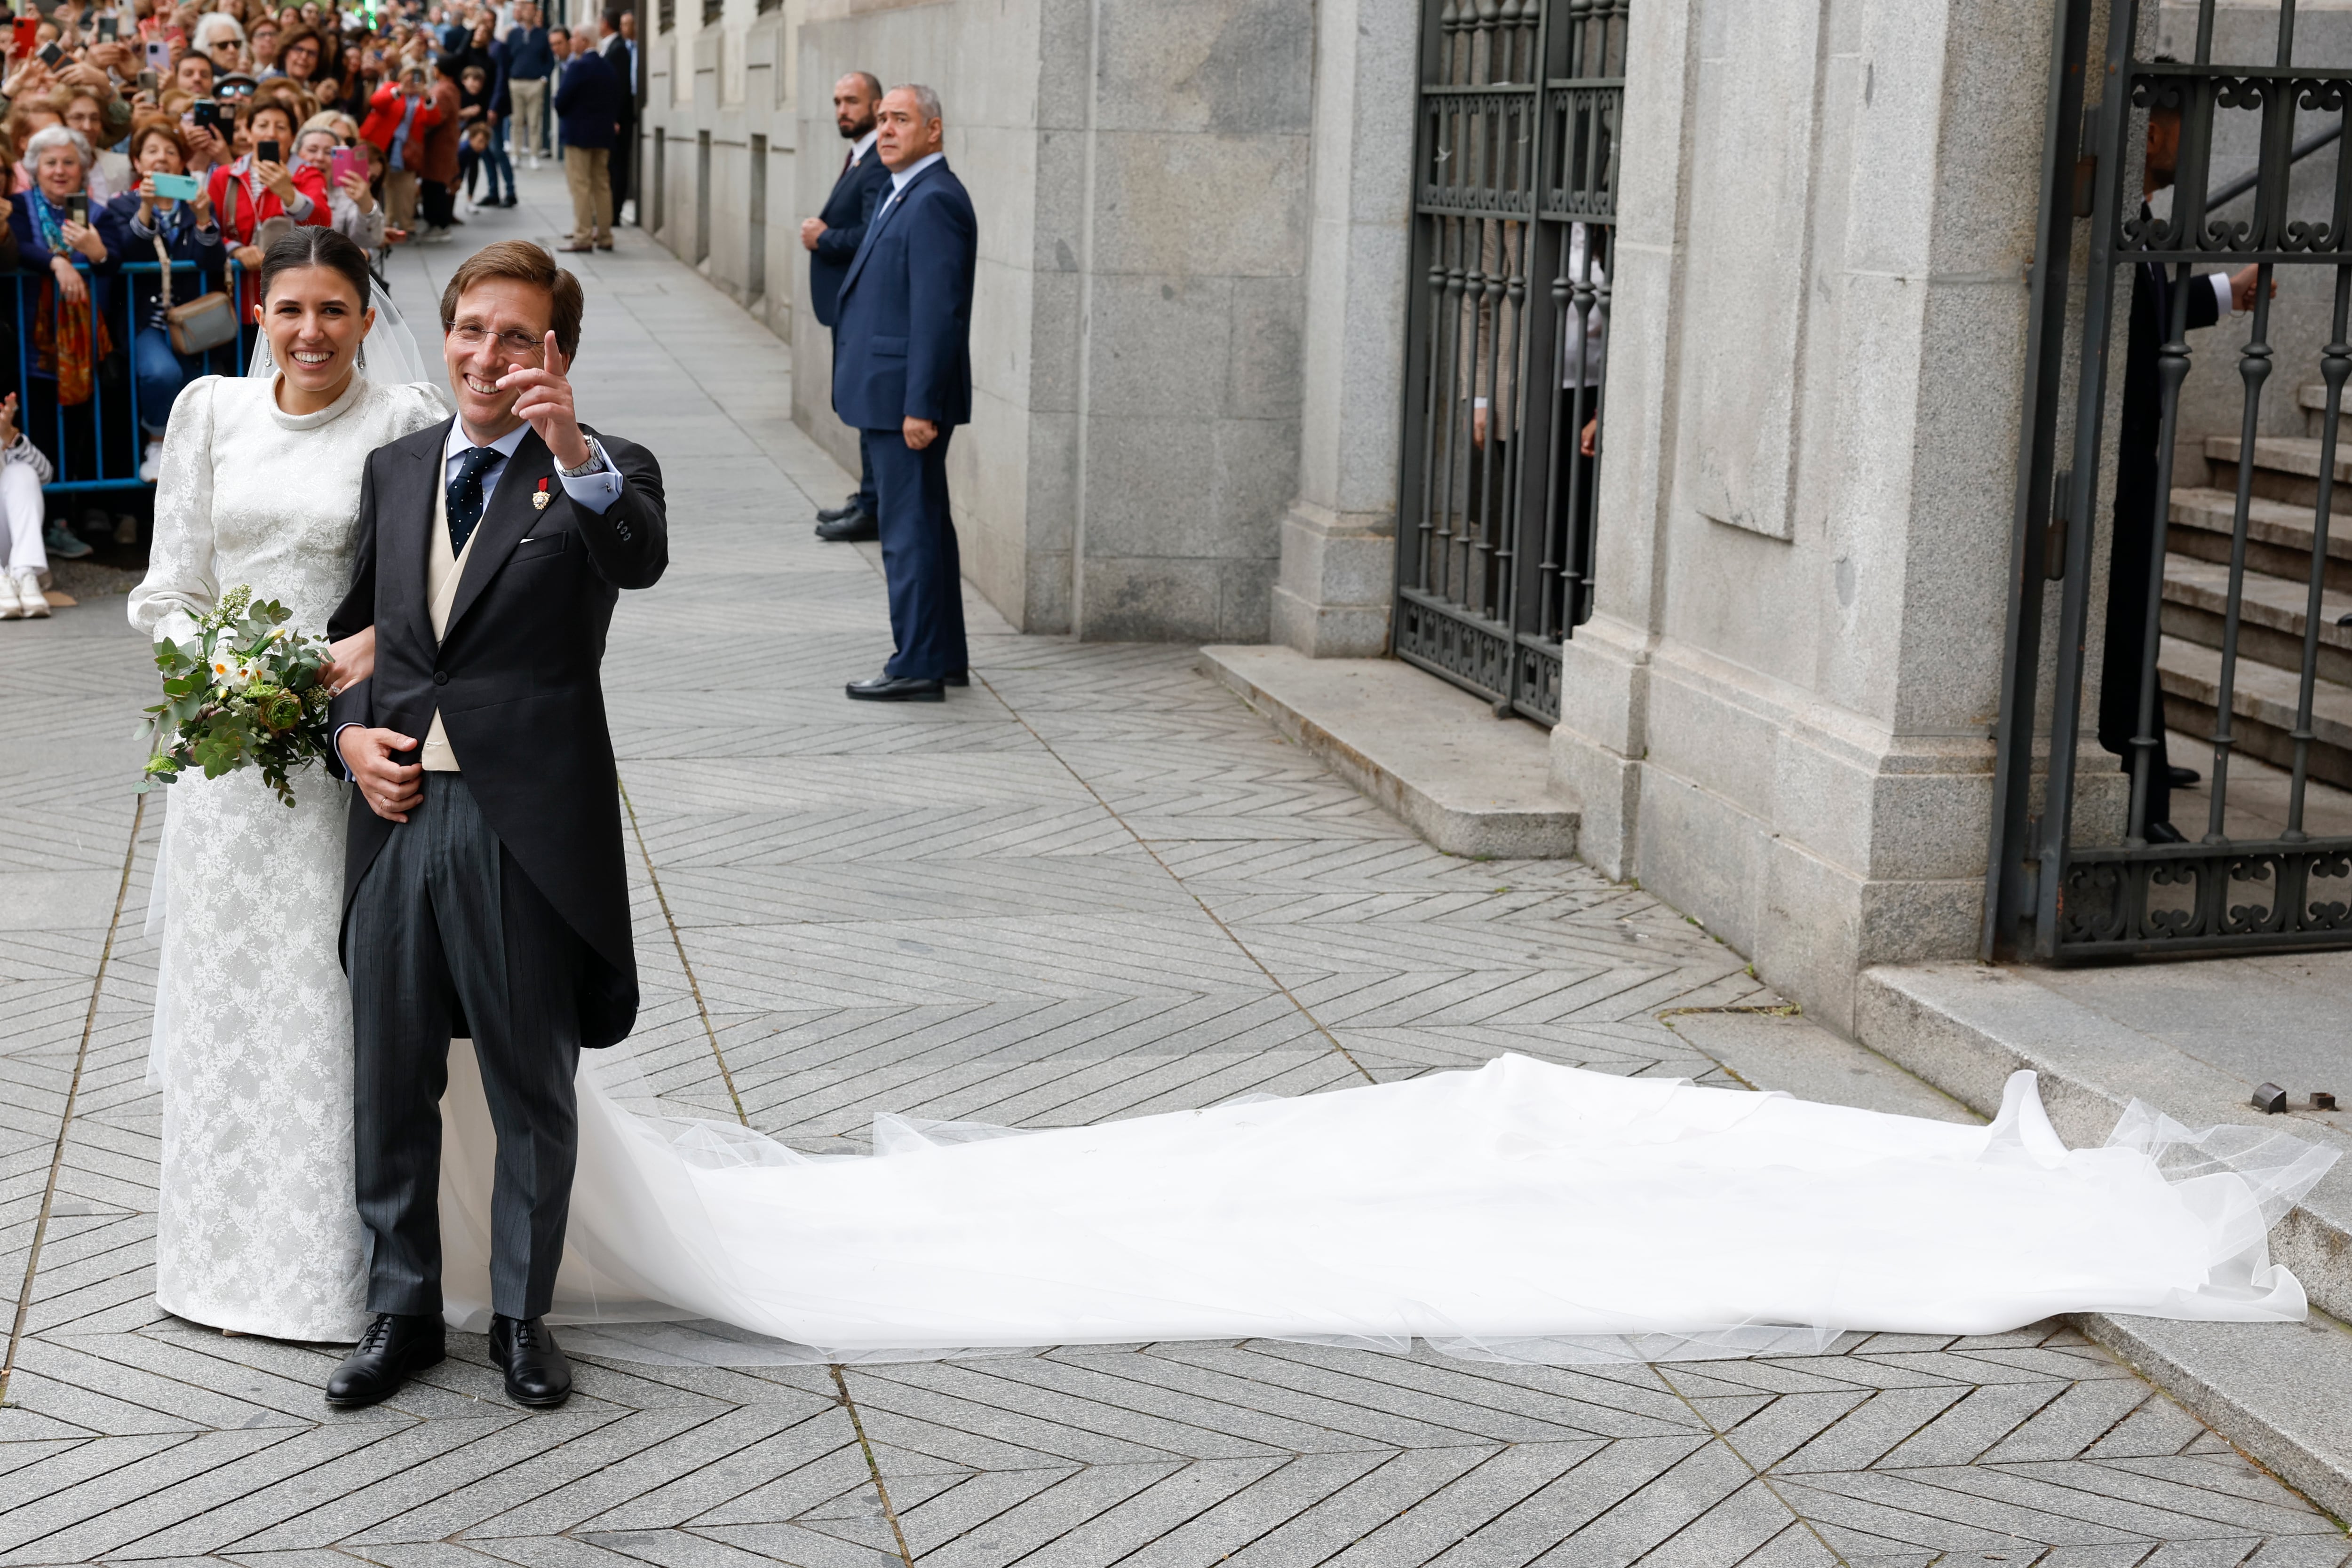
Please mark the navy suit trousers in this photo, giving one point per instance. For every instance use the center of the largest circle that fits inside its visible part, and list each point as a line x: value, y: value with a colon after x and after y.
x: 918, y: 554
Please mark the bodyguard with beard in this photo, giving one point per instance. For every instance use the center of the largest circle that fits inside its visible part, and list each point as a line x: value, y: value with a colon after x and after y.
x: 832, y: 239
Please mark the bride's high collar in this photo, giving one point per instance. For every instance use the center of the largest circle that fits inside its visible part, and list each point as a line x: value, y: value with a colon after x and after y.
x: 353, y: 391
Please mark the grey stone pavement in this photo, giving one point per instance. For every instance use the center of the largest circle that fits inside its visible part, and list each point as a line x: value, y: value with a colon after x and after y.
x: 1091, y: 886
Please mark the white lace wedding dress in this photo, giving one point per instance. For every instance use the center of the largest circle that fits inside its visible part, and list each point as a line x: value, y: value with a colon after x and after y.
x: 252, y: 1046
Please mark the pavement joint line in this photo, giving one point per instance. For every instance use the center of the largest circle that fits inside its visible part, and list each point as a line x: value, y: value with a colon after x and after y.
x: 73, y: 1093
x: 725, y: 1074
x: 1145, y: 845
x: 1718, y: 1436
x: 873, y: 1466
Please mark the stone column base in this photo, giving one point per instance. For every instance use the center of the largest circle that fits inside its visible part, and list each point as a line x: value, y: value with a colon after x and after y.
x: 1800, y: 833
x: 1338, y: 584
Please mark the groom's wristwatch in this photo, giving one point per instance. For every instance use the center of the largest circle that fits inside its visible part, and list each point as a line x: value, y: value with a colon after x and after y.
x: 595, y: 463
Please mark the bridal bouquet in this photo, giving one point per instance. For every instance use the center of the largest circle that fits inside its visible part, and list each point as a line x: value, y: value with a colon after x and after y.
x: 246, y: 694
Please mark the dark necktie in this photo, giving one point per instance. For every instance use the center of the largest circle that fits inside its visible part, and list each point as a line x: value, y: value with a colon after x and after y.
x: 847, y: 158
x: 465, y: 495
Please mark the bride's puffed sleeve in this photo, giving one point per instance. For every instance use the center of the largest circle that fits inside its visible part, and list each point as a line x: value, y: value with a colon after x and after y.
x: 180, y: 585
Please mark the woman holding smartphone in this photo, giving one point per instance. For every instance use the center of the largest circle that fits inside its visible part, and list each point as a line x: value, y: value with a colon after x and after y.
x: 59, y: 234
x: 170, y: 215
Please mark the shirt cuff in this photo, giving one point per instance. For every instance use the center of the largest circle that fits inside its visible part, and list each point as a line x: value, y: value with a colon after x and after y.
x: 335, y: 750
x: 598, y: 489
x: 2223, y: 295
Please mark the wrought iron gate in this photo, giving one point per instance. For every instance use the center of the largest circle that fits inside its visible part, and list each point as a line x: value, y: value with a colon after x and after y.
x: 2225, y: 587
x: 1514, y: 230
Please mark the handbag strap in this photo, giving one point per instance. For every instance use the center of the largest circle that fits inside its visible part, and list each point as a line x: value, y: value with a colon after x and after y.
x: 163, y: 270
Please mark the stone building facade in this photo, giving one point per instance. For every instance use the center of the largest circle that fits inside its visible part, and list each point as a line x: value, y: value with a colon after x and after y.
x: 1190, y: 346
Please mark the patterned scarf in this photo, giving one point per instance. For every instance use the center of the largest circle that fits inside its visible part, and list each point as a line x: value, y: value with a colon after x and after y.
x: 68, y: 340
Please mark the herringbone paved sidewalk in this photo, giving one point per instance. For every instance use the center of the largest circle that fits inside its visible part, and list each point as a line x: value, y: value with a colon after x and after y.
x: 1090, y: 886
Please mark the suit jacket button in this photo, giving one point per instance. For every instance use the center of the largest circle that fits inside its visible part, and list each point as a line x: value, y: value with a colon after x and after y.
x: 440, y: 677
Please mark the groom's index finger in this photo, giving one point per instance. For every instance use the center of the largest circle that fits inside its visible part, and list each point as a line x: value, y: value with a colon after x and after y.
x: 556, y: 363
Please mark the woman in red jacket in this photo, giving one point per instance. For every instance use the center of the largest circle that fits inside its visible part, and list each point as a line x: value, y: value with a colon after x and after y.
x: 253, y: 189
x: 399, y: 115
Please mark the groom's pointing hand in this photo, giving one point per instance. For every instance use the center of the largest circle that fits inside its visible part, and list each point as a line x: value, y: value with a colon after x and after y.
x: 390, y: 788
x: 546, y: 403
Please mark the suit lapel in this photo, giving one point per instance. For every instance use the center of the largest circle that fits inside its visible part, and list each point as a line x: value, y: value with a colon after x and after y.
x: 505, y: 520
x: 404, y: 524
x: 882, y: 214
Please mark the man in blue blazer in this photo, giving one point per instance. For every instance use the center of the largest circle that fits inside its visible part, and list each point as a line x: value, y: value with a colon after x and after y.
x: 831, y: 239
x: 902, y: 375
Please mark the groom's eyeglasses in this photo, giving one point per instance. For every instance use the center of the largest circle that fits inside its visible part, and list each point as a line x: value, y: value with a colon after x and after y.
x: 515, y: 345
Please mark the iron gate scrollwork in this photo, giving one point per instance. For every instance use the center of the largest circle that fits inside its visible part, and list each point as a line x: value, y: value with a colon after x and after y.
x: 1514, y: 231
x: 2226, y: 616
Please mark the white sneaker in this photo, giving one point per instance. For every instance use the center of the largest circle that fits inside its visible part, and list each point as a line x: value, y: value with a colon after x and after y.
x: 436, y: 236
x: 11, y: 607
x: 151, y: 463
x: 32, y: 604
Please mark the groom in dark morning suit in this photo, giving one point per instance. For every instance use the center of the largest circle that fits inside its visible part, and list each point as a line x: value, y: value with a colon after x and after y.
x: 485, y: 892
x: 831, y: 239
x: 902, y: 375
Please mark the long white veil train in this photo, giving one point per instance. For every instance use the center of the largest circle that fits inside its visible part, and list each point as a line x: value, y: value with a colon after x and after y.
x: 1522, y: 1212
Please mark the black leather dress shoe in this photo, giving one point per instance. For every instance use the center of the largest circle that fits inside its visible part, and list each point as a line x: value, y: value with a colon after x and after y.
x: 2183, y: 778
x: 396, y: 1345
x: 849, y: 508
x: 2165, y: 833
x: 958, y: 677
x: 538, y: 1373
x: 898, y: 689
x: 849, y: 529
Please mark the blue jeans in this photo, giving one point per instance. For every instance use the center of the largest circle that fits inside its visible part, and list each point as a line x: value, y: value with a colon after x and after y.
x: 496, y: 162
x: 161, y: 371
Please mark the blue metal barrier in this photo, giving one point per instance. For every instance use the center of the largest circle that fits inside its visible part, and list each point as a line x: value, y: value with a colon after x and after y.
x: 116, y: 435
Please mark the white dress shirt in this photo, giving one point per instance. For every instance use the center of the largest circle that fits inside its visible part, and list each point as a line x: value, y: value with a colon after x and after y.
x: 860, y: 148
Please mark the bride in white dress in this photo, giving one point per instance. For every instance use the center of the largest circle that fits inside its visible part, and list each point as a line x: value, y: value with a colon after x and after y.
x: 252, y: 1049
x: 1523, y: 1211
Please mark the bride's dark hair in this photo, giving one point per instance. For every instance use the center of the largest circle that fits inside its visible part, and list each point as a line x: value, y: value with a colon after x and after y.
x: 312, y: 245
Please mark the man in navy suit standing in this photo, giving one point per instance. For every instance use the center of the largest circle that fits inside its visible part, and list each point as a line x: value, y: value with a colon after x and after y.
x: 902, y: 375
x: 831, y: 239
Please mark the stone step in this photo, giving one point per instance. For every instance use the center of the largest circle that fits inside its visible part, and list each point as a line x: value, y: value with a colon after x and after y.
x: 2271, y: 614
x: 2286, y: 468
x: 2312, y: 401
x: 1434, y: 756
x: 2278, y: 534
x: 2281, y: 1391
x: 2262, y: 707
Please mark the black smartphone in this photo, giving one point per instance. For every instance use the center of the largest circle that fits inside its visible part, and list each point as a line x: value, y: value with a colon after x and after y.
x: 265, y: 152
x: 206, y: 113
x: 51, y: 54
x: 78, y: 208
x: 106, y: 29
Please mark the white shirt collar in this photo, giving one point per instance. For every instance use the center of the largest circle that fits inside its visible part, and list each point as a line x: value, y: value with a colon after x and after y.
x: 862, y: 146
x: 899, y: 177
x: 459, y: 443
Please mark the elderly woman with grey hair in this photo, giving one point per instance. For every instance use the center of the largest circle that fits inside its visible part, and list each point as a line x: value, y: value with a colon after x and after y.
x: 77, y: 246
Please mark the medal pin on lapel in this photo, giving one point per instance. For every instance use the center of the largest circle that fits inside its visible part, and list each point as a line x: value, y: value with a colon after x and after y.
x: 541, y: 499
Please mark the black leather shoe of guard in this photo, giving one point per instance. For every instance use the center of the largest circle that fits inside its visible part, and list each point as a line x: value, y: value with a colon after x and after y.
x: 898, y: 689
x: 538, y: 1373
x: 849, y: 508
x: 394, y: 1345
x: 849, y: 529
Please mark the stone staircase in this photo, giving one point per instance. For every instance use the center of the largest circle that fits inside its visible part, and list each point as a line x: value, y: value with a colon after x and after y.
x: 2276, y: 596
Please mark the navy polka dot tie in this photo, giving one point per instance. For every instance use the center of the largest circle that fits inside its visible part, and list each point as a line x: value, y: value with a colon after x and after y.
x: 465, y: 495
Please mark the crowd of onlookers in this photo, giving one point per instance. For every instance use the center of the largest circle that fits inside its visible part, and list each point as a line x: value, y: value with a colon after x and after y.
x: 186, y: 134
